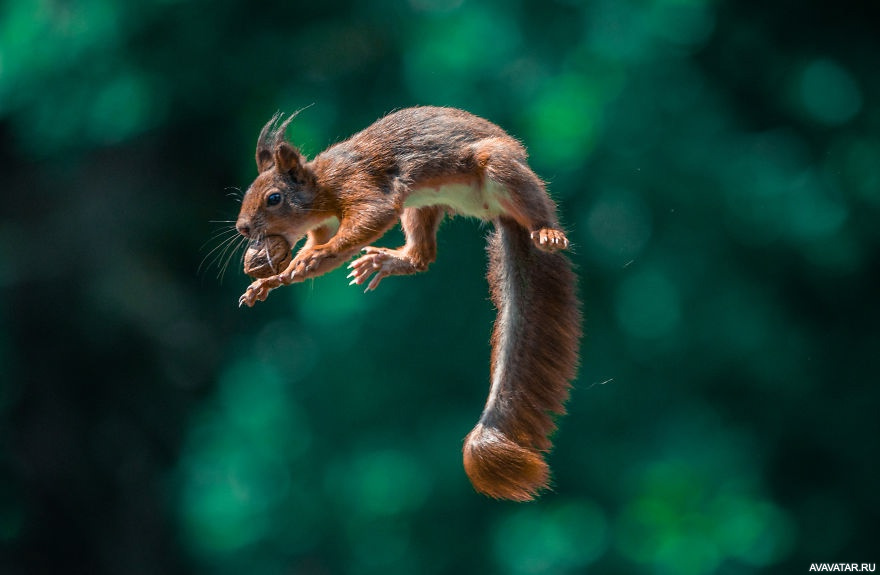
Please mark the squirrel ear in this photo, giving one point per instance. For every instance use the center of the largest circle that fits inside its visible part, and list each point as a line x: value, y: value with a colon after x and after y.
x: 264, y: 160
x: 287, y: 158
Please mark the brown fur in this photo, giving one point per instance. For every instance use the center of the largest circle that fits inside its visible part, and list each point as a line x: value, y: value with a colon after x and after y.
x: 538, y: 315
x: 401, y: 169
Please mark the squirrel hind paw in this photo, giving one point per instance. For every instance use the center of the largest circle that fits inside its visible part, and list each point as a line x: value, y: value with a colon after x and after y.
x: 549, y: 239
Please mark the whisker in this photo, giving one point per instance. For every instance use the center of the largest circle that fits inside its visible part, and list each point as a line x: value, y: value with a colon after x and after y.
x: 236, y: 193
x: 232, y: 248
x: 269, y: 258
x: 224, y: 236
x: 217, y: 235
x: 225, y: 242
x: 261, y: 238
x: 222, y: 258
x: 241, y: 245
x: 225, y: 229
x: 217, y: 252
x: 228, y: 237
x: 241, y: 259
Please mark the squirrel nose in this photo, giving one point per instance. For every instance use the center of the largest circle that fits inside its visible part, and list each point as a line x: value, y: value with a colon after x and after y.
x: 243, y: 229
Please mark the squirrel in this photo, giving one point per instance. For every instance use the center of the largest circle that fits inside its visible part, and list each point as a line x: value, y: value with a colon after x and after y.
x: 417, y: 165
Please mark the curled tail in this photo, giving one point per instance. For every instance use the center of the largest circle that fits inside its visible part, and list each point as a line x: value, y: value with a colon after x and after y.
x: 534, y: 357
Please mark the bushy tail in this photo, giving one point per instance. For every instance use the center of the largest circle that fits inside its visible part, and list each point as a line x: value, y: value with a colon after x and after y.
x: 534, y: 357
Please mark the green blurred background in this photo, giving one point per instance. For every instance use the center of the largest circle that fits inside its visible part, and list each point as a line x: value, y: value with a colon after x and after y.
x: 716, y: 162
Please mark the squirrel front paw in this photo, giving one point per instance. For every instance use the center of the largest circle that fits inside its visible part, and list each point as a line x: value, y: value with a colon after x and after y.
x: 307, y: 264
x: 259, y: 290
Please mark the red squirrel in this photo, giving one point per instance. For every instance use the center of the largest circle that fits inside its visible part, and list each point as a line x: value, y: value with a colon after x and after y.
x: 414, y: 166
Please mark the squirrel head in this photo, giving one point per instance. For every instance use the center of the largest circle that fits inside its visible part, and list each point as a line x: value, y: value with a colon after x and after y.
x: 279, y: 201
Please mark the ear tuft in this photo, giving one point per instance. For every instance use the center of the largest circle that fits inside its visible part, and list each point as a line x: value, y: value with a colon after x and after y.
x: 265, y: 143
x: 271, y: 141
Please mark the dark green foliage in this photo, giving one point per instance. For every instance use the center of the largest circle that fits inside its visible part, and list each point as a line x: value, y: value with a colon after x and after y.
x: 716, y: 162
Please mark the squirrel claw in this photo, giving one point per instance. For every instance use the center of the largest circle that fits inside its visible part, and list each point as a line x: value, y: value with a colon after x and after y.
x: 549, y: 239
x: 259, y: 290
x: 307, y: 264
x: 252, y: 295
x: 246, y: 299
x: 365, y: 266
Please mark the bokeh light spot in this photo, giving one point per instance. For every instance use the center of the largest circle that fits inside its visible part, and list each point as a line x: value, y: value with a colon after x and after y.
x: 620, y: 226
x: 616, y: 30
x: 224, y: 501
x: 456, y: 50
x: 774, y: 193
x: 829, y: 93
x: 235, y: 470
x: 122, y: 108
x: 741, y: 318
x: 754, y: 531
x: 435, y: 5
x: 557, y: 539
x: 336, y: 307
x: 648, y: 305
x: 862, y: 168
x: 565, y: 122
x: 383, y: 547
x: 379, y: 483
x: 257, y: 402
x: 687, y: 519
x: 813, y: 210
x: 682, y: 22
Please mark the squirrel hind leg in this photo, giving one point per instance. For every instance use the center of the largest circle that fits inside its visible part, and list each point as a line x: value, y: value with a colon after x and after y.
x: 420, y: 227
x: 524, y: 199
x: 381, y: 263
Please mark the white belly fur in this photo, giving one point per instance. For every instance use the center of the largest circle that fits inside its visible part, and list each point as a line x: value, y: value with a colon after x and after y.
x: 479, y: 199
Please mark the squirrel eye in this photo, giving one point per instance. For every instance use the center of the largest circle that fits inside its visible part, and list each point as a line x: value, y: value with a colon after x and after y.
x: 273, y: 199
